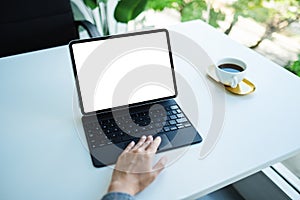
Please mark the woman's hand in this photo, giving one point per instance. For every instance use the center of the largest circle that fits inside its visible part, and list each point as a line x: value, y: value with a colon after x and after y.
x: 133, y: 171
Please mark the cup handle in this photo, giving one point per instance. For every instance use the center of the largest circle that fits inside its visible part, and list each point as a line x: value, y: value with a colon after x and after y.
x: 234, y: 82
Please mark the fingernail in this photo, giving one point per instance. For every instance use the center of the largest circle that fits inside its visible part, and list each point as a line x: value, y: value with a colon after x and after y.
x: 143, y: 136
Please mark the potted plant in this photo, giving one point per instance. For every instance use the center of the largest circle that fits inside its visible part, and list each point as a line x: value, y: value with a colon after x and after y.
x: 125, y: 11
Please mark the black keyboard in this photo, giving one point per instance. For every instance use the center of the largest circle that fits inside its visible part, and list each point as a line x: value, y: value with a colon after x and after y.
x: 122, y: 129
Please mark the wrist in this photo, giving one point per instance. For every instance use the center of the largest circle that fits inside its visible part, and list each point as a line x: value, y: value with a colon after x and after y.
x: 116, y: 186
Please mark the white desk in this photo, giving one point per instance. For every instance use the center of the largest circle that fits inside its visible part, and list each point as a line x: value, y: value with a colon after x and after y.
x: 42, y: 157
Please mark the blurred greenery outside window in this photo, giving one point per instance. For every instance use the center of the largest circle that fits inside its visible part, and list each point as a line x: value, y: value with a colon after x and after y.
x: 294, y: 66
x: 274, y: 15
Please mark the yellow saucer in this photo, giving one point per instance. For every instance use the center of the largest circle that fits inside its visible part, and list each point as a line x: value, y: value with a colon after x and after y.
x: 243, y: 88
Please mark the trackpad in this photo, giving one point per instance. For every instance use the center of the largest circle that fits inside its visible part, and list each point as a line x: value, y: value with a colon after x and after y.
x: 106, y: 155
x: 165, y: 143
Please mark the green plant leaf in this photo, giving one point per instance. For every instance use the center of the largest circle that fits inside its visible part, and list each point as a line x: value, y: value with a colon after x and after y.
x: 160, y: 5
x: 215, y: 16
x: 78, y: 15
x: 127, y: 10
x: 294, y: 66
x: 91, y: 3
x: 193, y: 10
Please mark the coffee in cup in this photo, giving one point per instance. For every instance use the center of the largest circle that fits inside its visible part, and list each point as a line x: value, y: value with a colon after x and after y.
x: 231, y: 71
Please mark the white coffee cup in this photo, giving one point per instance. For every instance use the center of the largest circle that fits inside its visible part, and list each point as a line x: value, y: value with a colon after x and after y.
x: 231, y: 71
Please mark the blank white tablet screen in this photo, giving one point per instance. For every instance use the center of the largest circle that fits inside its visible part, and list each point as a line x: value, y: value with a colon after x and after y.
x: 123, y: 70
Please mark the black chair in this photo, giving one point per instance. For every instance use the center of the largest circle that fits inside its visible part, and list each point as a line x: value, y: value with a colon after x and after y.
x: 38, y: 24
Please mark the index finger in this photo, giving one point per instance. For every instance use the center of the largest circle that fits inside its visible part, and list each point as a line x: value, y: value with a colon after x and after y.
x: 129, y: 147
x: 154, y: 145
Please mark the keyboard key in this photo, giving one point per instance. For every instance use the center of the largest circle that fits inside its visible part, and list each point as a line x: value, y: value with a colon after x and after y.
x: 187, y: 125
x: 144, y: 114
x: 174, y: 107
x: 172, y: 122
x: 116, y: 130
x: 166, y: 129
x: 173, y: 117
x: 180, y: 115
x: 122, y: 130
x: 100, y: 145
x: 181, y: 120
